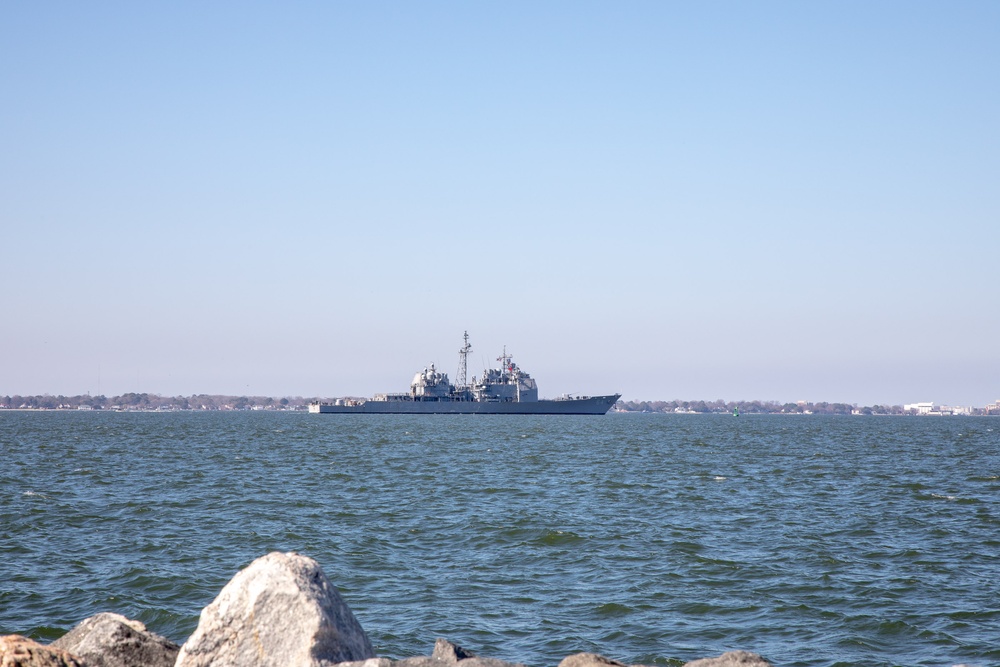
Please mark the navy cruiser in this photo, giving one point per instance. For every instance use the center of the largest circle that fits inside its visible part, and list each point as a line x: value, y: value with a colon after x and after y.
x: 506, y: 390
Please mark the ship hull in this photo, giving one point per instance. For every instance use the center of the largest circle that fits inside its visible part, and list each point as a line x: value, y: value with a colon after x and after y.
x: 592, y: 405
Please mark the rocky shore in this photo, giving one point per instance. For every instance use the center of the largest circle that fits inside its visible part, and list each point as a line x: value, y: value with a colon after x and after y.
x: 280, y: 611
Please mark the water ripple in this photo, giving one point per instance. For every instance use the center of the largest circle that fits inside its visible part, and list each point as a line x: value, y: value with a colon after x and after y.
x: 653, y: 539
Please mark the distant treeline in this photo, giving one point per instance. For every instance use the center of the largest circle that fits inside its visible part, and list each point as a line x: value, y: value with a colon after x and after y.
x: 758, y: 407
x: 133, y: 401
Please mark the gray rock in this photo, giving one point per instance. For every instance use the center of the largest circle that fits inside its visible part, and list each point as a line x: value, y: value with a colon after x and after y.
x: 487, y: 662
x: 280, y: 611
x: 452, y: 654
x: 370, y: 662
x: 732, y: 659
x: 449, y: 652
x: 589, y: 660
x: 111, y: 640
x: 422, y: 661
x: 19, y: 651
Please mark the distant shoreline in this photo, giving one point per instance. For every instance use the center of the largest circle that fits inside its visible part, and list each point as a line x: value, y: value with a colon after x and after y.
x: 147, y: 402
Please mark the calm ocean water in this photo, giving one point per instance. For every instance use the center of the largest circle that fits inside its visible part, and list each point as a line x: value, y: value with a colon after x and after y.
x: 647, y: 538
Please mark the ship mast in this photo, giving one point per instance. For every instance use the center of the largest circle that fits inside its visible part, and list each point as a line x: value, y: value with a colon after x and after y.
x: 463, y: 366
x: 505, y: 369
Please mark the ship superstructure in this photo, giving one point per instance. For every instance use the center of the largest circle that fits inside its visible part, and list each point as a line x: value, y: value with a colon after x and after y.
x: 503, y: 390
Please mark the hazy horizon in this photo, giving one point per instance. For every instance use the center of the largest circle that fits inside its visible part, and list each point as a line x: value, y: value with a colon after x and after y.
x: 775, y: 201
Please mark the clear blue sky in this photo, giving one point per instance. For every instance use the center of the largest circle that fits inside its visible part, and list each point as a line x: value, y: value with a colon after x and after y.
x: 739, y: 200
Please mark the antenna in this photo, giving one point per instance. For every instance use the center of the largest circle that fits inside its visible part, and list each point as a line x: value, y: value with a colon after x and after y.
x: 463, y: 355
x: 506, y: 359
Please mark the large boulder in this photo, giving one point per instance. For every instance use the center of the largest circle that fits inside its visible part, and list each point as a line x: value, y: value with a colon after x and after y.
x: 18, y: 651
x: 280, y: 611
x: 111, y: 640
x: 731, y: 659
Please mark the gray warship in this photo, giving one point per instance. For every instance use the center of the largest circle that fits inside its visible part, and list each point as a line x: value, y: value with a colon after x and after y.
x: 506, y: 390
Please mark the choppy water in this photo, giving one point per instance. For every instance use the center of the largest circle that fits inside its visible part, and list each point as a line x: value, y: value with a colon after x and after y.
x: 654, y: 539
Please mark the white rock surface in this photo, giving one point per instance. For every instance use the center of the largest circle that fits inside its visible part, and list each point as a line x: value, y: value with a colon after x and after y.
x: 280, y: 611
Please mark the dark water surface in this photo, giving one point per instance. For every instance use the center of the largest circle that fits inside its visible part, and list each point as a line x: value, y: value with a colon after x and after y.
x: 647, y: 538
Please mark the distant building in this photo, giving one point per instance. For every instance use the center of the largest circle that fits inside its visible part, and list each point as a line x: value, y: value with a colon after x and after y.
x: 936, y: 410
